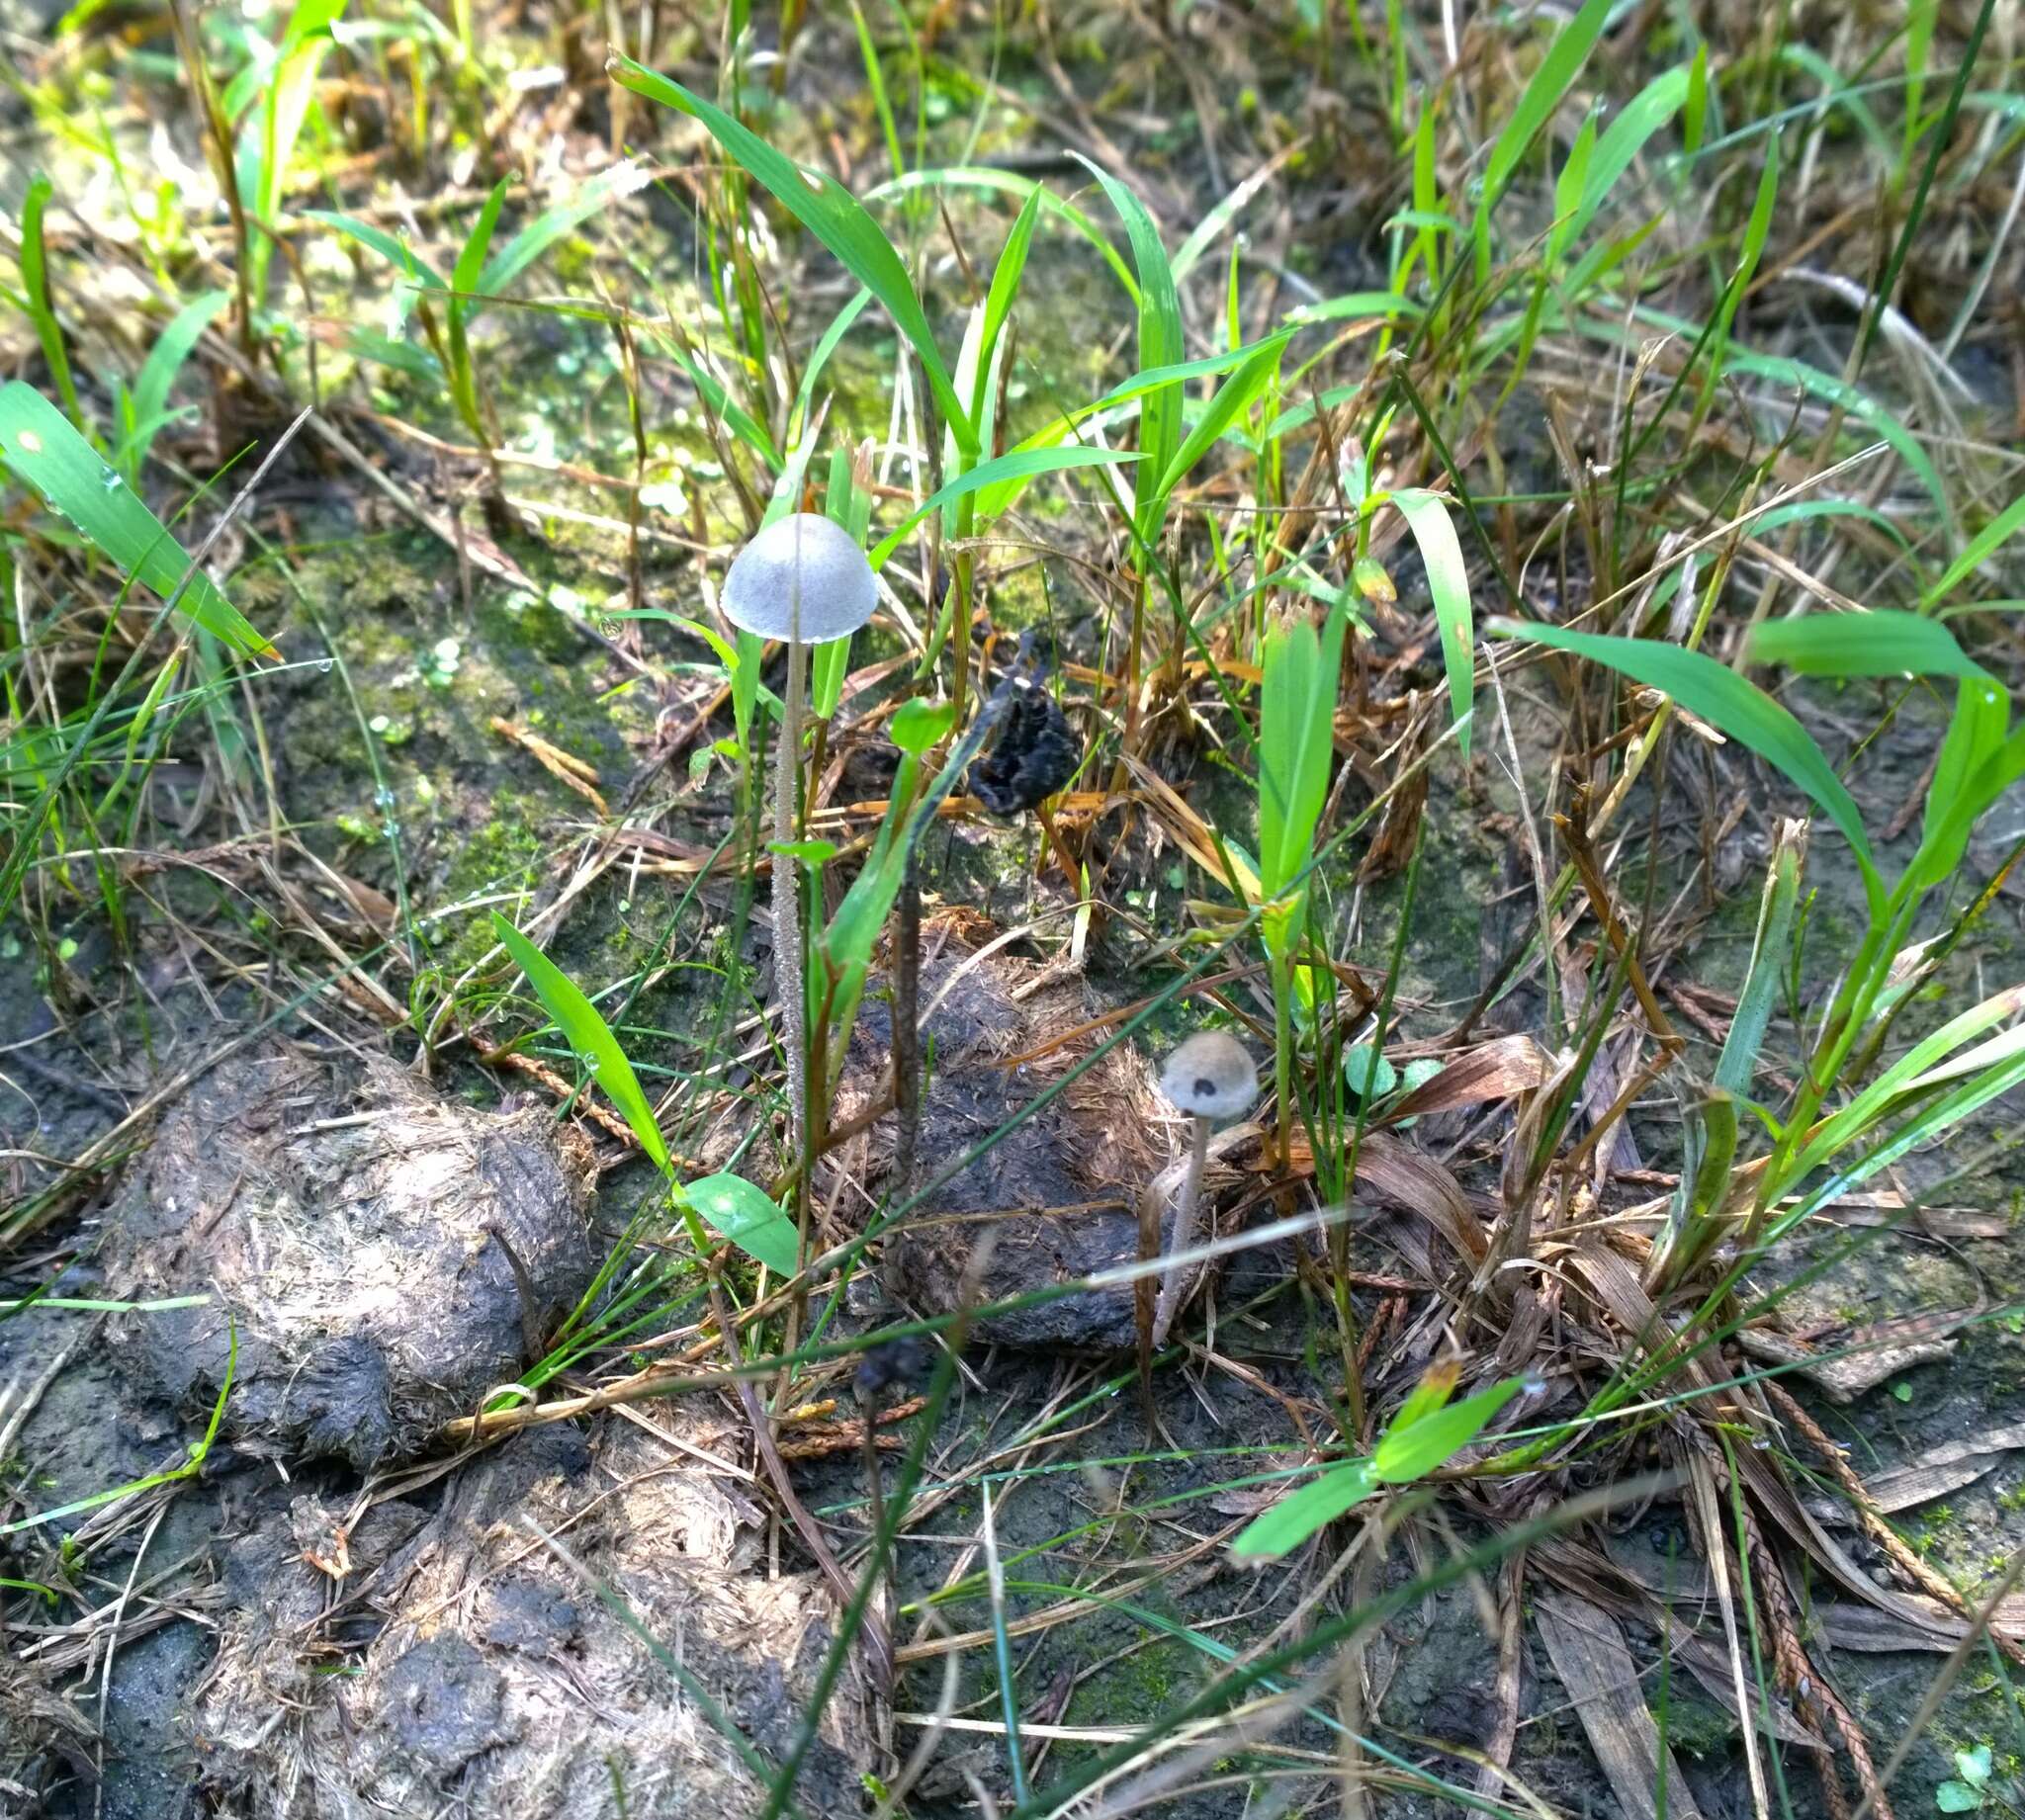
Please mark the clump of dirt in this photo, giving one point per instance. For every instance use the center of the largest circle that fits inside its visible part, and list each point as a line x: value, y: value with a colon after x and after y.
x: 381, y: 1269
x: 1053, y: 1201
x: 503, y: 1682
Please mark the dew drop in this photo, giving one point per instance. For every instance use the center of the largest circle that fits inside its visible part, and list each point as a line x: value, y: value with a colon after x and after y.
x: 1533, y: 1384
x: 325, y: 667
x: 383, y: 798
x: 110, y: 481
x: 31, y: 442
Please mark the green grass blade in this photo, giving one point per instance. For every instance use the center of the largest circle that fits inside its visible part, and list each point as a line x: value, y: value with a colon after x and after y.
x: 391, y: 247
x: 1161, y: 344
x: 1627, y: 136
x: 35, y: 283
x: 1979, y: 550
x: 1765, y: 973
x: 832, y: 215
x: 541, y: 233
x: 590, y: 1035
x: 38, y: 443
x: 748, y: 1218
x: 1006, y: 277
x: 1404, y: 1454
x: 1733, y: 706
x: 1289, y: 1523
x: 1550, y: 86
x: 1236, y: 394
x: 1010, y: 183
x: 471, y: 262
x: 148, y: 404
x: 1877, y: 643
x: 1296, y: 743
x: 1016, y: 465
x: 1449, y: 583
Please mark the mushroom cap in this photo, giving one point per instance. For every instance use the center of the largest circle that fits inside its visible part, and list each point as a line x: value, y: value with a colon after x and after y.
x: 1211, y: 1075
x: 838, y: 593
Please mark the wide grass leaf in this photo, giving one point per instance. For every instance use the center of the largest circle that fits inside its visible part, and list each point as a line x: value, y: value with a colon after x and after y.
x: 1719, y: 695
x: 1449, y: 583
x: 1410, y: 1451
x: 1876, y: 643
x: 1161, y: 344
x: 38, y: 443
x: 1297, y: 718
x: 1293, y: 1519
x: 588, y: 1034
x: 831, y: 213
x: 750, y: 1218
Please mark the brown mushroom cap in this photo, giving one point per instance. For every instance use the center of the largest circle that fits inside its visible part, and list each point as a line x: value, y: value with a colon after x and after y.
x: 1211, y: 1075
x: 836, y: 584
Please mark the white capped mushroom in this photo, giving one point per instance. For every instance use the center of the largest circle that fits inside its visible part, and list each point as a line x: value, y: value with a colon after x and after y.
x: 805, y: 581
x: 1212, y: 1078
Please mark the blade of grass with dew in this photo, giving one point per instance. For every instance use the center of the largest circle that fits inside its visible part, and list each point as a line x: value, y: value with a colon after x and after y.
x: 1880, y: 642
x: 146, y: 409
x: 1291, y: 1521
x: 1727, y: 702
x: 832, y: 215
x: 748, y: 1217
x: 1976, y: 552
x: 586, y: 1032
x: 1427, y: 516
x: 1625, y: 136
x: 35, y: 284
x: 38, y: 442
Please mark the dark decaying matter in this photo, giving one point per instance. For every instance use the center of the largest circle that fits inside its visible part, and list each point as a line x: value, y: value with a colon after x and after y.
x: 1033, y: 753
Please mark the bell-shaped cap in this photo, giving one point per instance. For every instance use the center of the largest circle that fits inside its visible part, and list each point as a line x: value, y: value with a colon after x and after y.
x: 805, y: 553
x: 1211, y: 1075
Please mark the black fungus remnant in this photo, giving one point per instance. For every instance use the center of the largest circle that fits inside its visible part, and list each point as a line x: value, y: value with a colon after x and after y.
x: 1033, y: 753
x: 893, y: 1364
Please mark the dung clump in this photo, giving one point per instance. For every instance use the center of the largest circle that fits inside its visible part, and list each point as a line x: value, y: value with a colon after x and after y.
x: 503, y: 1680
x: 376, y: 1257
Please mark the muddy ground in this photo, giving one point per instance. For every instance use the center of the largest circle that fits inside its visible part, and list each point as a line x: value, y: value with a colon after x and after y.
x: 335, y: 1612
x: 458, y: 1658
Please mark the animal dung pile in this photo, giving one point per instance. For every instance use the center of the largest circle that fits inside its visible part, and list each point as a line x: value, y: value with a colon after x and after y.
x: 509, y: 1675
x: 1056, y: 1199
x: 378, y: 1272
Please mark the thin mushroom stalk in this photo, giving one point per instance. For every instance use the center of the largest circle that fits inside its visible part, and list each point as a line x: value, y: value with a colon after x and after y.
x: 1210, y: 1076
x: 787, y: 891
x: 1184, y: 1234
x: 803, y: 580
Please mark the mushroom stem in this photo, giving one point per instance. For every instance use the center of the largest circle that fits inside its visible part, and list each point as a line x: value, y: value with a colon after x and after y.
x: 1171, y: 1279
x: 788, y: 904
